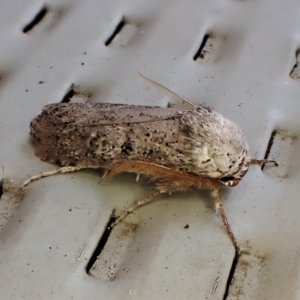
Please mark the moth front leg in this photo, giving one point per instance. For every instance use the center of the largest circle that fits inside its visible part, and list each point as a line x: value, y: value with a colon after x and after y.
x: 262, y: 162
x: 217, y: 198
x: 203, y: 183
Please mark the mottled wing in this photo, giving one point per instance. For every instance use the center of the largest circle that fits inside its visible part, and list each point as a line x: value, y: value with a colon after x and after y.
x: 104, y: 135
x: 69, y: 115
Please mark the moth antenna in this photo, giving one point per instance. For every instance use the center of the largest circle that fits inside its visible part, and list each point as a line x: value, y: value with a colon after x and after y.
x: 178, y: 100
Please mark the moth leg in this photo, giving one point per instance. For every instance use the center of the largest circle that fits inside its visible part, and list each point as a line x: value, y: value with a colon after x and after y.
x: 178, y: 181
x: 137, y: 177
x: 145, y: 168
x: 62, y: 170
x: 220, y: 209
x: 261, y: 162
x: 133, y: 207
x: 128, y: 166
x: 104, y: 175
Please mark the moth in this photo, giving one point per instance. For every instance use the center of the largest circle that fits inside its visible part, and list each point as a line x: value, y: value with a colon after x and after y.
x: 181, y: 147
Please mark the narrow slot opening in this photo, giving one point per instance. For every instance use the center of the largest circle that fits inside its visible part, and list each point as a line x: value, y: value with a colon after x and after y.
x: 199, y: 53
x: 100, y: 245
x: 1, y: 188
x: 230, y: 276
x: 293, y: 69
x: 37, y: 19
x: 116, y: 31
x: 270, y: 144
x: 292, y: 75
x: 69, y: 94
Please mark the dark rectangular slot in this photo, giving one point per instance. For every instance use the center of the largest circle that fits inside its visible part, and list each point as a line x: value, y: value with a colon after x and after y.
x: 295, y: 70
x: 199, y: 53
x: 281, y: 148
x: 37, y: 19
x: 270, y: 144
x: 1, y: 188
x: 116, y: 31
x: 230, y: 276
x: 68, y: 96
x: 100, y: 245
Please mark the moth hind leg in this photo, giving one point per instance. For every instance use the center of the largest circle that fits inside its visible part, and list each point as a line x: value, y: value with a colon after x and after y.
x: 220, y: 209
x: 62, y: 170
x: 134, y: 207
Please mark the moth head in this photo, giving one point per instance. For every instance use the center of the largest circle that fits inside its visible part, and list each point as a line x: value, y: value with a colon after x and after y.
x: 241, y: 168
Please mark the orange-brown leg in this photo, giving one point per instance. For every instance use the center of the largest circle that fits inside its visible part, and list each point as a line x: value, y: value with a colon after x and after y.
x: 139, y: 167
x: 220, y: 209
x: 173, y: 181
x: 170, y: 180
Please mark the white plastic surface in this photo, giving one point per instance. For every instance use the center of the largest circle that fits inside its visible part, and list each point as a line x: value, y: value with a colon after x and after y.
x: 46, y: 243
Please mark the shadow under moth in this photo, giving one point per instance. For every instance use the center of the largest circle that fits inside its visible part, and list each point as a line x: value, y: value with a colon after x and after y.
x: 180, y: 147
